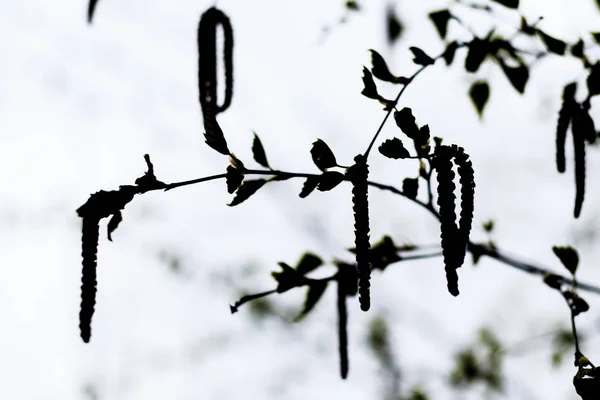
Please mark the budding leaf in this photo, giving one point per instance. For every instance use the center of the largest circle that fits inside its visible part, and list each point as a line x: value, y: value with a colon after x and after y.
x: 329, y: 180
x: 440, y: 19
x: 246, y: 189
x: 568, y: 257
x: 352, y: 5
x: 313, y: 295
x: 410, y: 187
x: 478, y: 51
x: 91, y: 9
x: 393, y: 25
x: 393, y: 148
x: 577, y: 49
x: 420, y: 57
x: 258, y: 152
x: 322, y: 155
x: 233, y: 178
x: 114, y: 223
x: 450, y: 52
x: 479, y: 94
x: 308, y: 262
x: 518, y: 76
x: 406, y: 122
x: 370, y: 89
x: 380, y: 69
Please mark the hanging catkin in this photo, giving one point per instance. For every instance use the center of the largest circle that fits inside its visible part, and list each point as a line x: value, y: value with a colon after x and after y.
x: 579, y: 135
x: 89, y: 250
x: 446, y: 202
x: 467, y: 199
x: 358, y: 174
x: 564, y: 119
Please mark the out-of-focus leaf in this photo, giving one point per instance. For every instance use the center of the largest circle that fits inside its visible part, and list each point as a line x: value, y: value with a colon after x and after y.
x: 287, y: 278
x: 577, y: 49
x: 246, y: 189
x: 478, y: 51
x: 91, y: 9
x: 308, y: 262
x: 508, y: 3
x: 352, y: 5
x: 479, y: 94
x: 394, y: 27
x: 553, y: 45
x: 593, y: 80
x: 568, y: 256
x: 440, y: 20
x: 313, y: 295
x: 450, y: 52
x: 518, y: 76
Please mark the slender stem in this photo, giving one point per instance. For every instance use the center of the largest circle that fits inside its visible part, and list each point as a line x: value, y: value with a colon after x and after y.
x: 250, y: 297
x: 194, y: 181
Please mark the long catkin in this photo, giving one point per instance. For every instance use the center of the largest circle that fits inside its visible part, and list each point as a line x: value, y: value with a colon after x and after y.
x: 89, y: 250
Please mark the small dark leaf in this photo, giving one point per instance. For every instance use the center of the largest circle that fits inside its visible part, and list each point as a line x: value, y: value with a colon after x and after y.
x: 309, y: 185
x: 518, y: 76
x: 258, y: 152
x: 420, y: 57
x: 410, y: 187
x: 91, y: 9
x: 114, y: 223
x: 214, y: 136
x: 246, y: 189
x: 488, y: 226
x: 568, y: 257
x: 478, y: 51
x: 406, y: 122
x: 308, y: 262
x: 383, y: 253
x: 380, y: 69
x: 234, y: 178
x: 370, y: 89
x: 286, y: 279
x: 393, y: 25
x: 577, y: 49
x: 596, y: 36
x: 553, y: 280
x: 526, y: 28
x: 352, y: 5
x: 440, y: 19
x: 393, y: 148
x: 329, y: 180
x: 322, y: 155
x: 450, y: 52
x: 313, y: 295
x: 593, y: 80
x: 508, y: 3
x: 553, y: 45
x: 479, y: 94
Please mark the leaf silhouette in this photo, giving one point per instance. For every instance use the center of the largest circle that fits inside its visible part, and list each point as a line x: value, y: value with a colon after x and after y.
x: 440, y: 20
x: 258, y: 152
x: 358, y: 175
x: 479, y: 94
x: 352, y: 5
x: 384, y: 253
x: 467, y: 203
x: 478, y: 51
x: 393, y: 148
x: 394, y: 26
x: 420, y: 57
x: 246, y: 189
x: 308, y: 262
x: 596, y: 37
x: 313, y: 295
x: 553, y: 45
x: 518, y: 76
x: 381, y: 71
x: 577, y: 49
x: 322, y: 155
x: 329, y: 180
x: 564, y: 119
x: 91, y: 9
x: 89, y: 250
x: 310, y: 184
x: 508, y: 3
x: 407, y: 122
x: 593, y: 80
x: 234, y: 178
x: 113, y: 224
x: 410, y: 187
x: 287, y: 279
x: 370, y: 89
x: 568, y: 256
x: 450, y: 52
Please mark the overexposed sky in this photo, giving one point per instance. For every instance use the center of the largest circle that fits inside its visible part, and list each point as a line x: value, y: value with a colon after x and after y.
x: 80, y: 105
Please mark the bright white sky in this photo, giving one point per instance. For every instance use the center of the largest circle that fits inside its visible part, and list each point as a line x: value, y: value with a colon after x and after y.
x: 80, y: 105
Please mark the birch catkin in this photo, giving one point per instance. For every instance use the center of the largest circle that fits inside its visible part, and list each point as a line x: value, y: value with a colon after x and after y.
x: 89, y: 250
x: 358, y: 174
